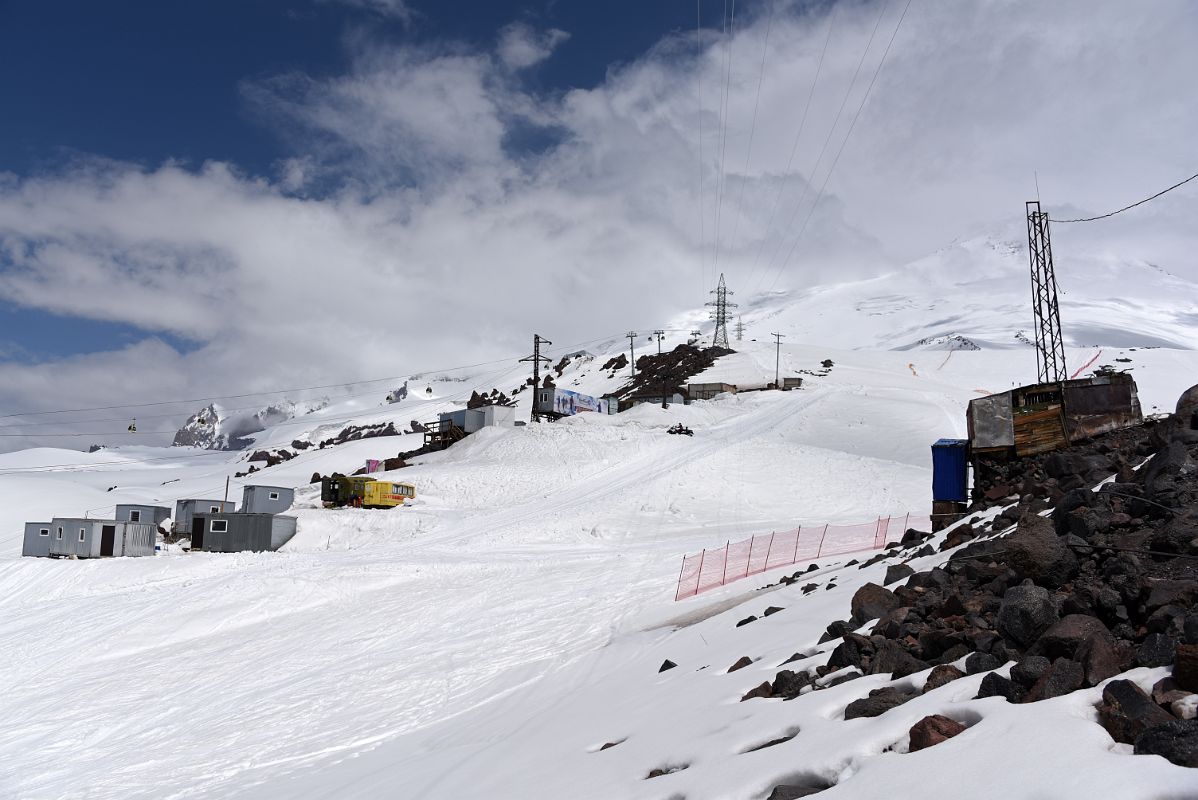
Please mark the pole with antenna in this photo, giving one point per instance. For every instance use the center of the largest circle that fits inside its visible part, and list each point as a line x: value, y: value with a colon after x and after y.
x: 777, y: 358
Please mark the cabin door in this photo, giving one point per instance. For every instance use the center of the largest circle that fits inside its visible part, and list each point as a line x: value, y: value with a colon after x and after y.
x: 107, y: 540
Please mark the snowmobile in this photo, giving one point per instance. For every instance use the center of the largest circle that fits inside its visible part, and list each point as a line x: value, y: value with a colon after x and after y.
x: 681, y: 430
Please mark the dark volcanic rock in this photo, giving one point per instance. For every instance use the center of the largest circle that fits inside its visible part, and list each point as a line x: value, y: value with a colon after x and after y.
x: 873, y: 601
x: 1029, y: 669
x: 790, y: 792
x: 1035, y: 551
x: 896, y: 572
x: 741, y: 663
x: 940, y: 675
x: 1126, y: 711
x: 1155, y: 651
x: 1185, y: 666
x: 1064, y: 637
x: 892, y: 658
x: 1063, y: 677
x: 1025, y: 613
x: 788, y: 683
x: 1176, y: 740
x: 877, y: 703
x: 667, y: 664
x: 995, y: 685
x: 933, y: 730
x: 981, y: 662
x: 761, y: 690
x: 746, y: 621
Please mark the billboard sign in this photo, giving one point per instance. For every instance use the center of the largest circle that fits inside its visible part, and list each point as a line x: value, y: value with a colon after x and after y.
x: 569, y: 403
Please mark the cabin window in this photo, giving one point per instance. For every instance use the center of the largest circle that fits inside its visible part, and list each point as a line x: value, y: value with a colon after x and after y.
x: 135, y: 516
x: 44, y: 532
x: 218, y: 526
x: 274, y: 495
x: 82, y: 534
x: 214, y: 509
x: 59, y: 532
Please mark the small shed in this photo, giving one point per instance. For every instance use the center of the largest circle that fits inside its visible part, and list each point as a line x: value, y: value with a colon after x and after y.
x: 709, y: 391
x: 791, y: 383
x: 37, y: 539
x: 235, y: 532
x: 266, y: 499
x: 186, y: 509
x: 132, y: 512
x: 101, y: 538
x: 949, y: 470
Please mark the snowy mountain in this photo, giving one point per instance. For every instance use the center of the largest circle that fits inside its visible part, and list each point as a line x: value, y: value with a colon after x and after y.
x: 215, y: 428
x: 491, y: 639
x: 979, y: 290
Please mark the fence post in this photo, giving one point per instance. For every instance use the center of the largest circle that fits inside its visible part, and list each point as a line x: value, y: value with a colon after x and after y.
x: 724, y: 577
x: 798, y: 533
x: 767, y: 552
x: 820, y: 549
x: 906, y: 523
x: 678, y: 591
x: 749, y: 560
x: 699, y: 574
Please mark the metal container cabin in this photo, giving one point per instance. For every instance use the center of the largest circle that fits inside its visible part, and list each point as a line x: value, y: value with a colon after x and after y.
x: 266, y: 499
x: 949, y: 470
x: 1046, y: 416
x: 709, y: 391
x: 101, y: 538
x: 133, y: 512
x: 37, y: 539
x: 237, y: 532
x: 186, y: 509
x: 789, y: 384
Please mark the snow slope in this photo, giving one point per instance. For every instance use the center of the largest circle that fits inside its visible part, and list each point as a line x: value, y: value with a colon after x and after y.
x: 485, y: 641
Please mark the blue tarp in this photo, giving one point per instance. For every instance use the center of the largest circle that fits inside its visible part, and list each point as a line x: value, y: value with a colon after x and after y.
x: 949, y: 463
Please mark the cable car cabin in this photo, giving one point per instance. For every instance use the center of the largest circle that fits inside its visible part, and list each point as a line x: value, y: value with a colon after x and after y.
x: 362, y: 492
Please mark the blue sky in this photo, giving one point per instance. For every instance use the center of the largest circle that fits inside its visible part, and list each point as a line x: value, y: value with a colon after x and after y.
x: 153, y: 81
x: 211, y: 198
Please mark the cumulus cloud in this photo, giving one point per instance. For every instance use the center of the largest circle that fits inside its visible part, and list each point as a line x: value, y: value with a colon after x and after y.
x: 522, y: 46
x: 410, y: 207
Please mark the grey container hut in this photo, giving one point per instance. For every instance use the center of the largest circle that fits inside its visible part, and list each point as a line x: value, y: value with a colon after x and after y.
x: 235, y: 532
x: 37, y: 539
x: 186, y: 509
x: 266, y: 499
x: 99, y: 538
x: 132, y: 512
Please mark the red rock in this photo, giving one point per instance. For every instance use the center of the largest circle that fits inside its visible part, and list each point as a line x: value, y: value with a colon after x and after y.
x: 933, y: 730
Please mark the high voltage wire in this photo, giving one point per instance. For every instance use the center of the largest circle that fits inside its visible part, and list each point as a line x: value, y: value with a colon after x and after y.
x: 794, y: 148
x: 835, y: 123
x: 702, y: 209
x: 721, y: 180
x: 765, y: 44
x: 849, y: 133
x: 1133, y: 205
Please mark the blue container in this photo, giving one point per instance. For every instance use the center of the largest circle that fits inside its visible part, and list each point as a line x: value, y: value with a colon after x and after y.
x: 949, y: 462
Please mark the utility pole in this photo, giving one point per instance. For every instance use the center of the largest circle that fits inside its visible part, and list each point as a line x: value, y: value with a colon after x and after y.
x: 536, y: 358
x: 1050, y: 345
x: 632, y: 350
x: 660, y: 334
x: 719, y: 313
x: 777, y: 358
x: 740, y: 330
x: 694, y: 337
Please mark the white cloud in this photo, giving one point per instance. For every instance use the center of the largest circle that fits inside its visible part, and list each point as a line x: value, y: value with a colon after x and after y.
x: 410, y: 212
x: 522, y: 46
x: 394, y: 9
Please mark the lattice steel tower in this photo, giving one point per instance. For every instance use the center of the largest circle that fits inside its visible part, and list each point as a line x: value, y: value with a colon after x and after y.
x: 719, y: 313
x: 1050, y: 345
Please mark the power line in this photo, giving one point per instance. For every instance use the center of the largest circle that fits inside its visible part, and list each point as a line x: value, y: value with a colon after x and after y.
x: 721, y: 178
x: 702, y: 209
x: 835, y: 123
x: 835, y: 161
x: 794, y: 148
x: 1133, y: 205
x: 765, y: 44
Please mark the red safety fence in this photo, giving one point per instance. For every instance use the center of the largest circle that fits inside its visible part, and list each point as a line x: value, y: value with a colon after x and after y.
x: 737, y: 560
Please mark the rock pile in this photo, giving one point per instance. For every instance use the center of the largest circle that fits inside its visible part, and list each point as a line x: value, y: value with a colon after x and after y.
x: 1107, y: 581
